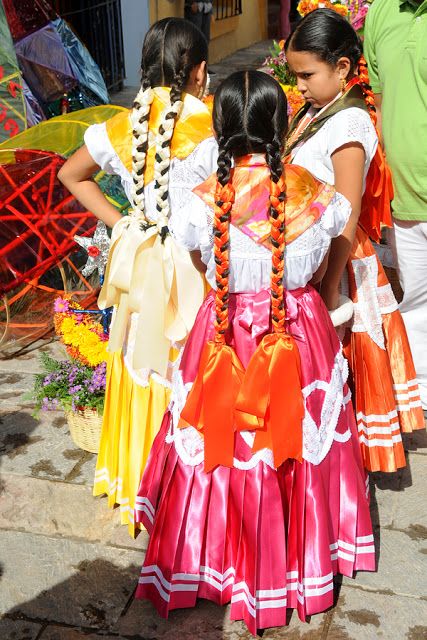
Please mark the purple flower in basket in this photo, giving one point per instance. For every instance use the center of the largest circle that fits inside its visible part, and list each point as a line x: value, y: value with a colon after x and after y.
x: 75, y: 389
x: 48, y: 379
x: 98, y: 379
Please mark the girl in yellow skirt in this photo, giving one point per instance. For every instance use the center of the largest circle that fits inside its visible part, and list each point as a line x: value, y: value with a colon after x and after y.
x: 161, y: 150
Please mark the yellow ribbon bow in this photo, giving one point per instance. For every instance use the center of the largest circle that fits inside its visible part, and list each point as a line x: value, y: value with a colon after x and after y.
x: 156, y: 280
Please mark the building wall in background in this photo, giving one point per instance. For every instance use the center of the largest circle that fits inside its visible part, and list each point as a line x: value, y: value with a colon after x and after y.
x: 136, y: 22
x: 227, y: 35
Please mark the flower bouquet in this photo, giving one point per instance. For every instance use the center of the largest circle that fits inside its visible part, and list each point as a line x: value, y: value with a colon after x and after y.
x: 307, y: 6
x: 276, y: 65
x: 68, y: 385
x: 354, y: 10
x: 81, y: 333
x: 76, y: 385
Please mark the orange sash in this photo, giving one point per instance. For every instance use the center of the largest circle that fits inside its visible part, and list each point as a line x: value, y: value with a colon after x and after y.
x: 306, y: 198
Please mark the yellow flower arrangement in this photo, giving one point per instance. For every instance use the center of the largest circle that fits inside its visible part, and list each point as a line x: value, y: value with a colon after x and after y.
x: 82, y: 335
x: 294, y: 98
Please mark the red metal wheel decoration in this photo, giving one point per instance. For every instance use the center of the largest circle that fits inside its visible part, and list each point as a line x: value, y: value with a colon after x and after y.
x: 38, y: 220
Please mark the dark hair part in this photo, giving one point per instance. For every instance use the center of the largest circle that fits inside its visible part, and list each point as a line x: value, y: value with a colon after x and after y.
x: 172, y: 48
x: 249, y: 116
x: 328, y: 35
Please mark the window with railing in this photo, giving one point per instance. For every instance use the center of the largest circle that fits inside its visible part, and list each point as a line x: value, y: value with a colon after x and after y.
x: 98, y: 23
x: 227, y: 8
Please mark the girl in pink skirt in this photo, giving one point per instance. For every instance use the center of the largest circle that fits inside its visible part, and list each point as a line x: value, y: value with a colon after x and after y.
x: 254, y: 491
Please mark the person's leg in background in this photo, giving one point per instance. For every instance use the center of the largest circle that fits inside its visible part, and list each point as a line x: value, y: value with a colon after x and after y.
x: 285, y: 25
x: 408, y: 240
x: 206, y: 25
x: 196, y: 17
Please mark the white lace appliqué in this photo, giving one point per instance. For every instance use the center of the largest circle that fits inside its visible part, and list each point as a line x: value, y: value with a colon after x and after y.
x: 317, y: 439
x: 372, y: 301
x: 367, y: 311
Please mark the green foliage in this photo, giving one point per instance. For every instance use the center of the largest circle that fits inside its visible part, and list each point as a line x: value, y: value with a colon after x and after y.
x: 277, y: 65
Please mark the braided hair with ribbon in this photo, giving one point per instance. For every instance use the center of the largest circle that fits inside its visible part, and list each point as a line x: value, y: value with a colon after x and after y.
x: 250, y: 116
x: 362, y: 72
x: 172, y: 48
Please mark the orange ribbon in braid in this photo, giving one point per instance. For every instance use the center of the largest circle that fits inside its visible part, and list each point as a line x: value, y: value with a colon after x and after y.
x: 224, y: 198
x: 376, y: 201
x: 277, y: 221
x: 362, y: 69
x: 270, y: 399
x: 210, y: 403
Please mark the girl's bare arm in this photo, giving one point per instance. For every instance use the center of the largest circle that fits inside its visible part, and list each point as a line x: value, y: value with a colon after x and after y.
x: 76, y: 175
x: 196, y: 259
x: 348, y: 162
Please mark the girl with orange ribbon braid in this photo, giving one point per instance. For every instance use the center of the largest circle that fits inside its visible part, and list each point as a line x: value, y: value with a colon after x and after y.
x: 160, y: 149
x: 242, y: 493
x: 334, y: 137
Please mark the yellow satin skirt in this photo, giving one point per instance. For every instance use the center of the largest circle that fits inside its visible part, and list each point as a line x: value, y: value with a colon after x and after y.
x: 132, y: 417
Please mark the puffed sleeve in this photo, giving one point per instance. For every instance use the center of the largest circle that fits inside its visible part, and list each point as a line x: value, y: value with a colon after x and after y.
x: 100, y: 148
x: 205, y: 160
x: 352, y: 125
x: 305, y: 254
x: 336, y: 216
x: 191, y: 225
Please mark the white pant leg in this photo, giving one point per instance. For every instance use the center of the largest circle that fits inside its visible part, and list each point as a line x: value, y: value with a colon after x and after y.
x: 408, y: 241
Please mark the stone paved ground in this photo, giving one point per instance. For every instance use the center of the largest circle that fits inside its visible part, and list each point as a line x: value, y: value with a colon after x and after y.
x: 68, y: 569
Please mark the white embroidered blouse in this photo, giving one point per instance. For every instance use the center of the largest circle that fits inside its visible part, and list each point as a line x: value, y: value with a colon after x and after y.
x: 250, y: 263
x: 348, y: 125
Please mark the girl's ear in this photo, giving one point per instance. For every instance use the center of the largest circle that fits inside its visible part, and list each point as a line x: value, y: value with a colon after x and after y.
x: 343, y: 67
x: 197, y: 80
x: 201, y: 74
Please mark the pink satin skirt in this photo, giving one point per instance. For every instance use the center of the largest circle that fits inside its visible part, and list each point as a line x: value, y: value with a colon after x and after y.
x: 264, y: 539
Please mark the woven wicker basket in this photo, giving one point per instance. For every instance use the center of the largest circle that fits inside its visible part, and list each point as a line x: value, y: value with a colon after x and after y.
x: 85, y: 428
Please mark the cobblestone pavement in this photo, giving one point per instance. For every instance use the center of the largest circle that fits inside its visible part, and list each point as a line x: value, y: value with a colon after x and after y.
x: 68, y: 569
